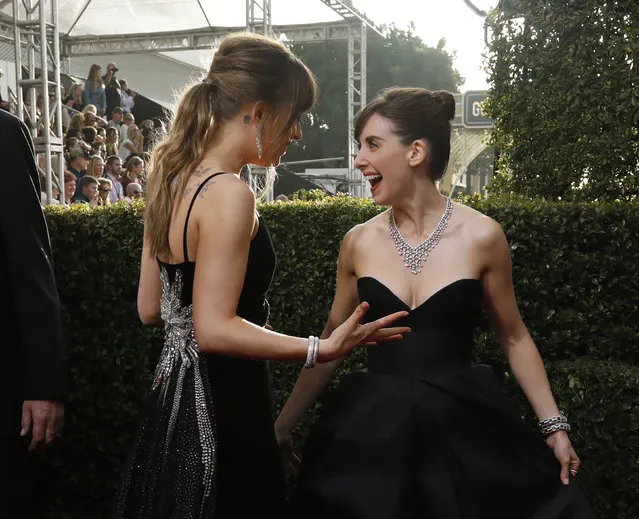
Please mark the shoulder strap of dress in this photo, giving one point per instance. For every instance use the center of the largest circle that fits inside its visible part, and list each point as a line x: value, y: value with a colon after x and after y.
x: 188, y: 214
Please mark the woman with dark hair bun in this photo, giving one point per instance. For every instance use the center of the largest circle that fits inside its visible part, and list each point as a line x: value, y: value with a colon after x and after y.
x: 424, y: 433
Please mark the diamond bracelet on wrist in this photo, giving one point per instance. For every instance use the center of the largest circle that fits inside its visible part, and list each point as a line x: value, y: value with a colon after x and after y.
x: 313, y: 350
x: 553, y: 424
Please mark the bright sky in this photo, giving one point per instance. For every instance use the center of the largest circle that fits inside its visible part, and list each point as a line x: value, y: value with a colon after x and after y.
x: 434, y: 19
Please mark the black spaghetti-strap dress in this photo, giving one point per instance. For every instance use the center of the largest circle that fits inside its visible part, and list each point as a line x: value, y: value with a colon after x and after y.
x: 206, y: 446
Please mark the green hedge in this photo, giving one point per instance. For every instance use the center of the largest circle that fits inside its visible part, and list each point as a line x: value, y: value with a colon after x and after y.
x: 574, y: 274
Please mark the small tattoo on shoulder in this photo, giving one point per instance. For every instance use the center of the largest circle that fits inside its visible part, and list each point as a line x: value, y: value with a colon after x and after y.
x: 201, y: 171
x: 205, y: 188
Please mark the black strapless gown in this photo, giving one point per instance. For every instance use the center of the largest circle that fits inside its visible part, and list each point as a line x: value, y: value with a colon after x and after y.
x: 206, y: 447
x: 425, y: 434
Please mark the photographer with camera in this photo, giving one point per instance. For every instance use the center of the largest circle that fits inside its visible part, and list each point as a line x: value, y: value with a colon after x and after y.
x: 112, y: 88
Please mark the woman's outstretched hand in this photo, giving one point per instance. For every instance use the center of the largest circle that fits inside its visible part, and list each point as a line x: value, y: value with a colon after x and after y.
x: 352, y: 333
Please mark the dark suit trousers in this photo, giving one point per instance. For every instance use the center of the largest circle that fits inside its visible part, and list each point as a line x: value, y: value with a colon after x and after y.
x: 15, y: 487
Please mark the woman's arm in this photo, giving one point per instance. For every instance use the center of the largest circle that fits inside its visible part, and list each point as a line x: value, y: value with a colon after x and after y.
x: 521, y: 352
x: 225, y: 218
x: 311, y: 382
x: 149, y: 289
x: 136, y: 147
x: 501, y: 305
x: 129, y: 146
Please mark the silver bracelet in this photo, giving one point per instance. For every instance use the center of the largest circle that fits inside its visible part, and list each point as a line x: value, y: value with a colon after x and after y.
x: 547, y: 431
x: 316, y: 350
x: 553, y: 424
x: 313, y: 349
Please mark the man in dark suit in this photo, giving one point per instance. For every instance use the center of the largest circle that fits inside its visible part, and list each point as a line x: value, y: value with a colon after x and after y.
x: 32, y: 365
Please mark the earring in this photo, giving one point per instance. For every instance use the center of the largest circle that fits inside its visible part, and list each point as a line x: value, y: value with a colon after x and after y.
x: 258, y: 140
x: 246, y: 120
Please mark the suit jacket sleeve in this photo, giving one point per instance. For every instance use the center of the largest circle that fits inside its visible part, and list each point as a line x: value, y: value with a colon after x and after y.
x: 26, y: 249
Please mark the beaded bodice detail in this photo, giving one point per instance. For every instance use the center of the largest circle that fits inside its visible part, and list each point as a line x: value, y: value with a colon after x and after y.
x: 180, y: 355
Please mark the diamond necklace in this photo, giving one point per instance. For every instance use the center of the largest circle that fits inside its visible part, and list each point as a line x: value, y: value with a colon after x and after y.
x: 414, y: 257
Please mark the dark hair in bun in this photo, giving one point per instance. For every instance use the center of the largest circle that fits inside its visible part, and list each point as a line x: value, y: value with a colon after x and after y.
x: 416, y: 113
x: 447, y: 102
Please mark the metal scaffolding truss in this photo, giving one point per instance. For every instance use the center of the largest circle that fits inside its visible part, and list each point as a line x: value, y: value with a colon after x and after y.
x: 39, y: 35
x: 193, y: 39
x: 356, y: 101
x: 258, y: 17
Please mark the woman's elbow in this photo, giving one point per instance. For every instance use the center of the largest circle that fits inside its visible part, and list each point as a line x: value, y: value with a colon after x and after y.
x: 150, y: 315
x: 154, y: 320
x: 213, y: 337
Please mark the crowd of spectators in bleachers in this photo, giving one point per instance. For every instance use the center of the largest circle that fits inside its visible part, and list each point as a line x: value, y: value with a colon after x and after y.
x: 105, y: 151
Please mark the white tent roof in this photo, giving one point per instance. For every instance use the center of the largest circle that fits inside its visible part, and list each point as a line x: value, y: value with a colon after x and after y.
x: 159, y: 75
x: 144, y: 16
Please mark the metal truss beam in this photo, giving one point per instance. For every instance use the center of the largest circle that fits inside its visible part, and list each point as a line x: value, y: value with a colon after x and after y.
x: 258, y: 17
x: 42, y: 51
x: 194, y: 39
x: 356, y: 101
x: 7, y: 34
x: 346, y: 10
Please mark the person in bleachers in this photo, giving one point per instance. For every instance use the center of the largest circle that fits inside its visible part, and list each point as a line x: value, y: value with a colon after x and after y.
x: 128, y: 119
x: 128, y: 96
x: 111, y: 141
x: 116, y: 118
x: 96, y: 167
x: 78, y: 162
x: 94, y: 93
x: 114, y: 174
x: 75, y: 126
x: 132, y: 172
x: 99, y: 148
x: 74, y: 99
x: 132, y: 145
x: 88, y: 134
x: 104, y: 189
x: 70, y: 185
x: 148, y: 134
x: 91, y: 117
x: 88, y: 191
x: 133, y: 192
x: 111, y: 88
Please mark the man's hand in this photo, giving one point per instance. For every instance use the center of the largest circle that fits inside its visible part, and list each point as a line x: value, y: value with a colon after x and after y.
x: 44, y: 420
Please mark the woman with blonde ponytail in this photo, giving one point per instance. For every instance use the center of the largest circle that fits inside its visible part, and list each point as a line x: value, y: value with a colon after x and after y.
x: 206, y: 445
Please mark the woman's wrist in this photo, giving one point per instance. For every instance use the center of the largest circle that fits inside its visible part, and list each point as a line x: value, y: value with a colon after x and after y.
x: 281, y: 429
x: 325, y: 353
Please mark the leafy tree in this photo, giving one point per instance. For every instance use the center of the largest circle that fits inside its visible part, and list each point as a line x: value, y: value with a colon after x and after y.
x: 400, y: 59
x: 565, y: 97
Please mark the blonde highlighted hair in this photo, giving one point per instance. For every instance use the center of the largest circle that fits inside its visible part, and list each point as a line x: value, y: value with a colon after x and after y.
x: 94, y: 79
x: 246, y: 68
